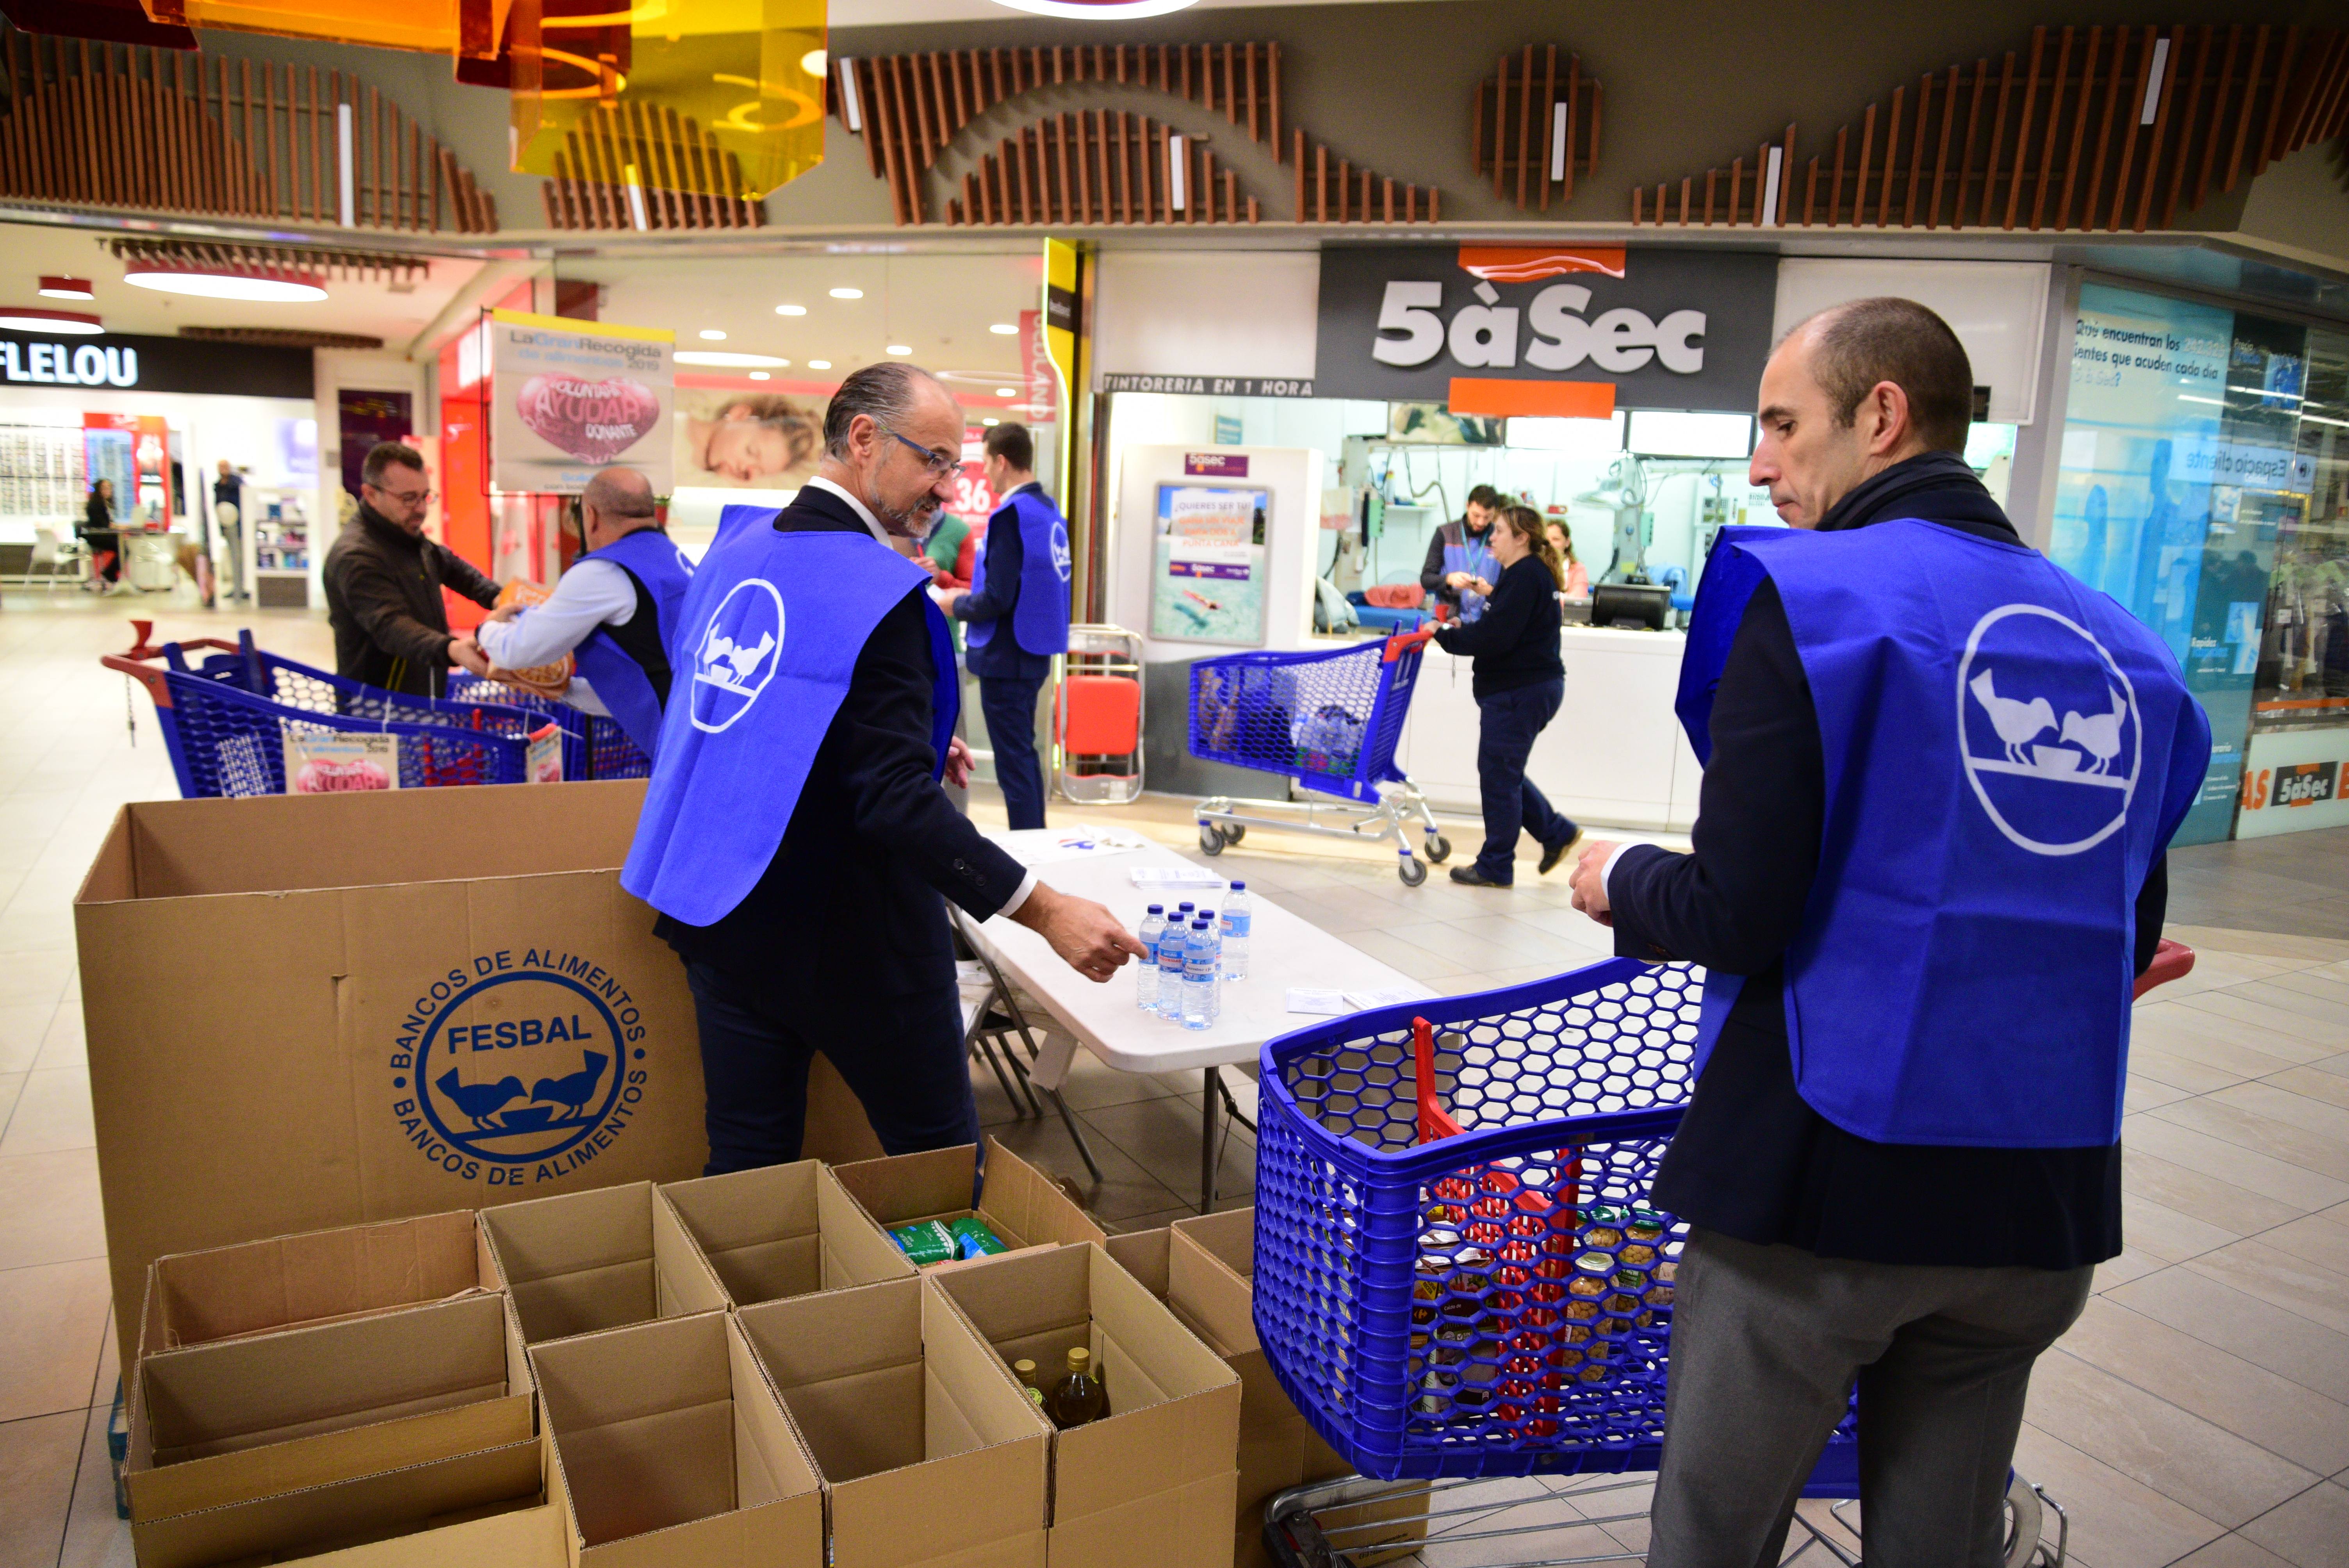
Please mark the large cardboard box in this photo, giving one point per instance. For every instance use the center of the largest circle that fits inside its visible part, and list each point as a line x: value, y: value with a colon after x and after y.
x: 783, y: 1231
x: 317, y: 1010
x: 319, y: 1277
x: 594, y: 1260
x: 672, y: 1452
x: 1150, y: 1485
x: 930, y: 1450
x: 250, y: 1419
x: 1019, y: 1203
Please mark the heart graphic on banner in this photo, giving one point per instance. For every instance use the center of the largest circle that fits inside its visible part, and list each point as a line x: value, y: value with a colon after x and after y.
x: 594, y: 421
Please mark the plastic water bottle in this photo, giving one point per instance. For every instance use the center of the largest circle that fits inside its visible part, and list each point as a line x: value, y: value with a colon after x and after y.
x: 1237, y: 910
x: 1215, y: 974
x: 1174, y: 957
x: 1199, y: 978
x: 1145, y: 973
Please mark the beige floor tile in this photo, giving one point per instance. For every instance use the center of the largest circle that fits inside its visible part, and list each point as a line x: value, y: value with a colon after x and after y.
x: 34, y: 977
x: 2321, y: 1238
x: 49, y: 1210
x: 38, y: 1456
x: 24, y: 1024
x: 2328, y: 1006
x: 2131, y: 1263
x: 53, y: 1113
x: 2144, y: 1093
x: 63, y: 1046
x: 2240, y: 1006
x: 2246, y: 1326
x: 2237, y: 1166
x: 2316, y: 950
x: 2275, y: 1275
x: 2222, y: 1041
x: 2313, y: 1083
x: 94, y: 1538
x: 2310, y: 1530
x: 109, y: 1365
x: 2164, y: 1234
x: 2215, y: 968
x: 52, y: 1318
x: 2198, y: 1195
x: 2117, y: 1520
x: 2212, y: 1471
x: 1414, y: 959
x: 2236, y: 1551
x: 2280, y: 1416
x: 2271, y: 1124
x: 2185, y: 1069
x: 2313, y: 983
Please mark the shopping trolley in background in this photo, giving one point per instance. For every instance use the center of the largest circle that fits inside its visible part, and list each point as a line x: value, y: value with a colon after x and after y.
x: 1329, y: 721
x: 1468, y: 1282
x: 1097, y: 718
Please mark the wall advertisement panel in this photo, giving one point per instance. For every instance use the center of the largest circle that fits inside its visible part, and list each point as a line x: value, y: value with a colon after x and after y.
x: 2292, y: 780
x: 573, y: 397
x: 1208, y: 569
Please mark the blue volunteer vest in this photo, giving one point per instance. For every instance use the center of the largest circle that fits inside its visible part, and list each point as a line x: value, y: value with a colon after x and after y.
x: 1040, y: 617
x: 768, y: 639
x: 2007, y: 751
x: 1476, y: 559
x: 662, y: 569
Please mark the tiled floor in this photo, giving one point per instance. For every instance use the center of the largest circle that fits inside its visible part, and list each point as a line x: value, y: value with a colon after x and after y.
x: 2198, y: 1414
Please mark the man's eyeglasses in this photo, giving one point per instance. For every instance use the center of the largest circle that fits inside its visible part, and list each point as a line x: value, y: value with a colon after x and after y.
x: 406, y: 498
x: 939, y: 464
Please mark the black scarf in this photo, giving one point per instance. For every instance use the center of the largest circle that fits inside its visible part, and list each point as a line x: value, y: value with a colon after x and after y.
x: 1936, y: 487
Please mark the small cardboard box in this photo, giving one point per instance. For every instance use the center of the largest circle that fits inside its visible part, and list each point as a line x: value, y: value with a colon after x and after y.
x: 596, y: 1260
x: 318, y: 1276
x: 1019, y: 1203
x: 671, y: 1450
x: 250, y: 1419
x: 1151, y: 1484
x: 783, y: 1231
x: 487, y: 1507
x: 930, y: 1453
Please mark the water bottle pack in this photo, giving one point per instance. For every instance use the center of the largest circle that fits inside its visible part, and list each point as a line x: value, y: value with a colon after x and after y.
x: 1187, y: 955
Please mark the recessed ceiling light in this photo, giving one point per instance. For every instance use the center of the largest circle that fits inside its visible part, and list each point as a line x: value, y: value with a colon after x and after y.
x: 711, y: 335
x: 69, y: 323
x: 721, y: 356
x: 848, y: 293
x: 990, y: 421
x: 256, y: 283
x: 1006, y: 392
x: 791, y: 310
x: 813, y: 62
x: 901, y: 348
x: 819, y: 365
x: 1003, y: 328
x: 761, y: 375
x: 65, y: 288
x: 1098, y: 10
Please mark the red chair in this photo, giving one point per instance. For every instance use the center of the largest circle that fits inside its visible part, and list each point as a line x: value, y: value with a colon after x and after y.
x: 1096, y: 718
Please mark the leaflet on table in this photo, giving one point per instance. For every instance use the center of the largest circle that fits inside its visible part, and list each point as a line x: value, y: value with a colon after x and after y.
x: 1329, y: 1004
x: 1175, y: 876
x: 1077, y: 844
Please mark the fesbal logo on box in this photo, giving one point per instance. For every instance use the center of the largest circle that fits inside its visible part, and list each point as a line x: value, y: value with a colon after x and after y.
x: 519, y: 1066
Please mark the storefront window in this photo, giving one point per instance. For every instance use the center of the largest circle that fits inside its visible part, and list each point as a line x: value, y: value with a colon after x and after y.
x: 2304, y: 666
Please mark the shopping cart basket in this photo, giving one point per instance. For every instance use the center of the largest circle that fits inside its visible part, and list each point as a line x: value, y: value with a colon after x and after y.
x: 250, y: 668
x: 1329, y: 721
x: 594, y: 746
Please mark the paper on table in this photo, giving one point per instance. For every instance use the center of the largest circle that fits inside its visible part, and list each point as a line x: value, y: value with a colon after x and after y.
x: 1389, y: 998
x: 1320, y: 1004
x: 1184, y: 876
x: 1080, y: 843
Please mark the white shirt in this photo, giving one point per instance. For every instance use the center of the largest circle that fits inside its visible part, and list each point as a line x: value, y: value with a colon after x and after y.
x: 592, y: 594
x: 864, y: 514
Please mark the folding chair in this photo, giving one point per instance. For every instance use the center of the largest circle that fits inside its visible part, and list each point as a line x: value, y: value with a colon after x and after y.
x: 990, y: 1021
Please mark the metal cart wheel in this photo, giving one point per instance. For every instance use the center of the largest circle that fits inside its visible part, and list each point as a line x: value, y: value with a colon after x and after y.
x: 1235, y: 831
x: 1413, y: 872
x: 1438, y: 849
x: 1211, y: 838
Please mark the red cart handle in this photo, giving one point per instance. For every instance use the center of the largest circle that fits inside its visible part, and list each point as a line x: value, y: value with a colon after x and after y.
x: 2171, y: 961
x: 1404, y: 643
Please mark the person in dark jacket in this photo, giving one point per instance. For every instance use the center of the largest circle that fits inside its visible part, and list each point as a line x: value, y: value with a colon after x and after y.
x: 1519, y: 683
x: 97, y: 530
x: 1460, y: 557
x: 383, y: 581
x: 1959, y: 981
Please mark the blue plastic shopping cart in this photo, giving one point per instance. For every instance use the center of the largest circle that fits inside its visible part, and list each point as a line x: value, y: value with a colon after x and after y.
x: 1329, y: 721
x: 1460, y: 1273
x: 594, y: 746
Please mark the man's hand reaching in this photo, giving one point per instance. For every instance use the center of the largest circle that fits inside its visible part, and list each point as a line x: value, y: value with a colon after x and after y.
x: 466, y: 653
x: 1589, y: 881
x: 959, y: 763
x: 1086, y: 936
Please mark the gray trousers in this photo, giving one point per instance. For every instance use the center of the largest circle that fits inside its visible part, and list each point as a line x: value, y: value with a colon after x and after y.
x: 1766, y: 1342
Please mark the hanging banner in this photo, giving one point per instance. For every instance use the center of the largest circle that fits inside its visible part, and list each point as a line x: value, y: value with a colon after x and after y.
x: 573, y: 397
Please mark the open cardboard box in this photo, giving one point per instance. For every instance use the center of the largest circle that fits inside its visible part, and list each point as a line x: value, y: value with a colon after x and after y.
x: 318, y: 1276
x: 672, y: 1452
x: 1019, y: 1203
x: 783, y: 1231
x: 596, y: 1260
x: 1151, y: 1484
x: 487, y: 1507
x: 930, y: 1453
x: 243, y: 1420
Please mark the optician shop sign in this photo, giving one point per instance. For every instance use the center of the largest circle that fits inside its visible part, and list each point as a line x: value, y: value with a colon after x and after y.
x: 155, y: 365
x: 1566, y: 329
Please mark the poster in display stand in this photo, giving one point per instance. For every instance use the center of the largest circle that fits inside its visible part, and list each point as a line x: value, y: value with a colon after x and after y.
x: 570, y: 397
x: 1208, y: 565
x: 331, y: 764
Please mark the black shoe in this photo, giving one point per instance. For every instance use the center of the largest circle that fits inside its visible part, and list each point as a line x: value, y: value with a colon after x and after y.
x: 1469, y: 876
x: 1550, y: 857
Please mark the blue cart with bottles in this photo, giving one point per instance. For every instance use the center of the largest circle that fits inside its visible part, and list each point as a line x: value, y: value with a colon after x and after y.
x: 1330, y: 721
x: 1462, y: 1282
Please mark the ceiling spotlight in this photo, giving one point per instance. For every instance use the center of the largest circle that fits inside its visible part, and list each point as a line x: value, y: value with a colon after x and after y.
x: 1003, y: 329
x: 268, y: 285
x: 990, y: 421
x: 65, y: 288
x: 791, y: 310
x: 813, y: 62
x: 819, y: 365
x: 1098, y: 10
x: 69, y: 323
x: 848, y: 293
x: 901, y: 348
x: 720, y: 357
x: 711, y: 335
x: 761, y: 375
x: 1007, y: 392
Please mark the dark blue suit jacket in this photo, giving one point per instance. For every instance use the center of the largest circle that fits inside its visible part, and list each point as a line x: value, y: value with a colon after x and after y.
x: 1006, y: 555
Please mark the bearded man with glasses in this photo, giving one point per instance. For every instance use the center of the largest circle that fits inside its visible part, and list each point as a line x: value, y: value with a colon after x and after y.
x: 383, y: 579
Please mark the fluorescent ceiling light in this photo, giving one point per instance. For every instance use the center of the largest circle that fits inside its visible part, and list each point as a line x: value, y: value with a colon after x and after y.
x: 2264, y: 392
x: 721, y: 356
x: 69, y: 323
x: 1099, y: 10
x: 65, y: 288
x: 711, y: 335
x: 901, y: 348
x: 1003, y: 329
x: 819, y: 365
x: 813, y: 62
x: 263, y: 287
x: 761, y: 375
x: 848, y: 293
x: 990, y: 421
x: 1006, y: 392
x: 791, y: 310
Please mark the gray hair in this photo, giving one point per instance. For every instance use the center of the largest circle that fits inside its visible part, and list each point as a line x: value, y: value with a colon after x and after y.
x: 883, y: 393
x: 619, y: 492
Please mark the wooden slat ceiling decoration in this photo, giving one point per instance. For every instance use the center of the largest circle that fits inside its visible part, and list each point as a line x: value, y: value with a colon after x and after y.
x: 105, y: 125
x: 325, y: 266
x: 2105, y: 128
x: 281, y: 336
x: 1518, y: 130
x: 592, y: 188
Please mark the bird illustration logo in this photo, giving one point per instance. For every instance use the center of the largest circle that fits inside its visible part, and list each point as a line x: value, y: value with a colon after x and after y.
x: 482, y: 1102
x: 744, y: 662
x: 2024, y: 664
x: 2016, y: 722
x: 574, y: 1090
x: 737, y: 654
x: 2098, y: 734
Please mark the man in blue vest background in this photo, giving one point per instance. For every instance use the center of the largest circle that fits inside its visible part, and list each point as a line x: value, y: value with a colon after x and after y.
x: 1460, y: 568
x: 794, y: 837
x: 1940, y: 776
x: 1018, y: 608
x: 615, y: 608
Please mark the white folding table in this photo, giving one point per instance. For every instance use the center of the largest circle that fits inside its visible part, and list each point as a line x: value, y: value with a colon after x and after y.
x: 1283, y: 951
